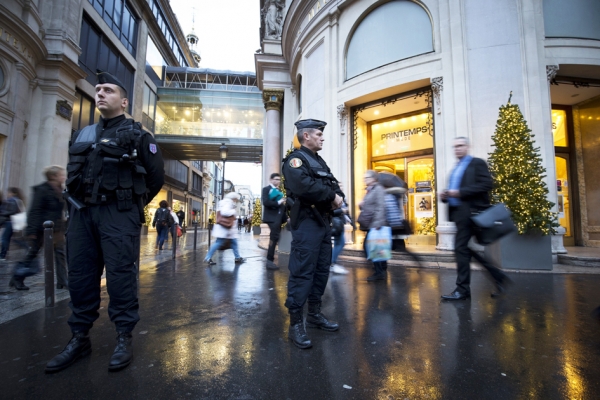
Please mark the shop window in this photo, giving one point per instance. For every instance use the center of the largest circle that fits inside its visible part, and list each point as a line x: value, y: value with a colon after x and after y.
x: 559, y: 128
x: 166, y: 30
x: 562, y: 189
x: 120, y: 19
x: 572, y: 18
x: 177, y: 170
x: 196, y: 182
x: 148, y: 108
x: 84, y: 112
x: 391, y: 32
x: 98, y: 53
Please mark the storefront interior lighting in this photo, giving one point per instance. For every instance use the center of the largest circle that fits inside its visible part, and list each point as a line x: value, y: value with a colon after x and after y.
x: 376, y: 112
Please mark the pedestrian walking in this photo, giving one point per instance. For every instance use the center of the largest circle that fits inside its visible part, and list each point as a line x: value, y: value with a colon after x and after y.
x: 175, y: 219
x: 47, y: 204
x: 240, y: 223
x: 181, y: 217
x: 225, y: 230
x: 115, y: 169
x: 338, y: 222
x: 13, y: 205
x: 469, y: 184
x: 315, y: 194
x: 274, y: 215
x: 373, y: 216
x: 395, y: 199
x: 163, y: 221
x: 247, y: 224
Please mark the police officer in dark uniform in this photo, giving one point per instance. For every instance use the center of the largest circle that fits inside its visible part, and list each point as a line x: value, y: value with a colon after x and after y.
x: 315, y: 193
x: 115, y: 168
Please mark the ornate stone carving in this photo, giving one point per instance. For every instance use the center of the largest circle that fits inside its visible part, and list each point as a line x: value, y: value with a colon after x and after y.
x: 551, y: 71
x: 437, y: 84
x: 342, y: 113
x: 272, y: 99
x: 272, y: 19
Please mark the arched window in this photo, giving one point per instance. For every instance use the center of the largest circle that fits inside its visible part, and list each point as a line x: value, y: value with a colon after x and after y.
x: 393, y: 31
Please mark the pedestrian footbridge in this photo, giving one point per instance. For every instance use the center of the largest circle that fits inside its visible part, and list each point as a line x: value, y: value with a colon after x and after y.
x: 199, y: 110
x: 202, y: 148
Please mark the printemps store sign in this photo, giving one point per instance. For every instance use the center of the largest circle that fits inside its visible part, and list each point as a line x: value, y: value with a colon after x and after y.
x: 401, y: 135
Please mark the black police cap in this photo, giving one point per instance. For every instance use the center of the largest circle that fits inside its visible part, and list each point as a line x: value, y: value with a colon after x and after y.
x: 105, y: 77
x: 311, y: 124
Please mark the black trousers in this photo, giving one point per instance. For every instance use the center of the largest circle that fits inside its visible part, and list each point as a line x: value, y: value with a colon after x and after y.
x: 309, y: 264
x: 29, y: 265
x: 464, y: 231
x: 273, y: 239
x: 98, y: 237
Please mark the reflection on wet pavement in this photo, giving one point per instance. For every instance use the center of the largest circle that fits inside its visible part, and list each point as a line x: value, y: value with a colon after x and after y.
x: 221, y: 332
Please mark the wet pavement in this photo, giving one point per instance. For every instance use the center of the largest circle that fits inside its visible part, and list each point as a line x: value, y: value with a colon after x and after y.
x: 220, y: 332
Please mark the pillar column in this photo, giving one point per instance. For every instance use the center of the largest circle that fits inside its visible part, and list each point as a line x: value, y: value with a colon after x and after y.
x: 271, y: 159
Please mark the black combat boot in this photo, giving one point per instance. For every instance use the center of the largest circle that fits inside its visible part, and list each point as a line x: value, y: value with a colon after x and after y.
x: 297, y: 334
x: 78, y: 347
x: 123, y: 354
x: 316, y: 319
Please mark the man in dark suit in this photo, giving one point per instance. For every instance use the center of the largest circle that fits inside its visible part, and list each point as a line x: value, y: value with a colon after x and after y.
x: 273, y: 215
x: 467, y: 193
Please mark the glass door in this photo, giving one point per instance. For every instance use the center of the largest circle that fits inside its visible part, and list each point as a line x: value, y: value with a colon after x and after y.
x: 563, y: 201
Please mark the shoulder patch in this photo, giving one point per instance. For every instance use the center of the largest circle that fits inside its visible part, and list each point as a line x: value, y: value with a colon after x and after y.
x: 152, y: 148
x: 295, y: 162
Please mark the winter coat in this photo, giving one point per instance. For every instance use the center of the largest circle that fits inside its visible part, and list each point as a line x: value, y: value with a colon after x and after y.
x: 227, y: 209
x: 374, y: 202
x: 47, y: 205
x: 9, y: 207
x: 400, y: 196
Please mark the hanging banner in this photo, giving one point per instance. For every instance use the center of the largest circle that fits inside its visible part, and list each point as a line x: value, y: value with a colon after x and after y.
x: 401, y: 135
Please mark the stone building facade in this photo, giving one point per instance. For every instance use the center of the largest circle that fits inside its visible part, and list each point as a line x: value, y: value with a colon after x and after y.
x: 49, y: 53
x: 397, y: 80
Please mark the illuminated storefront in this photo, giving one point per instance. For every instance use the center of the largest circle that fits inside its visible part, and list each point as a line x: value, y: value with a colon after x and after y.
x: 398, y: 80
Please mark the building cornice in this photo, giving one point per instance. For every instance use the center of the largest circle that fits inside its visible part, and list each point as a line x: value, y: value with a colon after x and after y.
x: 28, y: 45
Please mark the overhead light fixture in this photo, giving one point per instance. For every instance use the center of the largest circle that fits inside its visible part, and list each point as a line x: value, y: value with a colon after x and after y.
x: 376, y: 112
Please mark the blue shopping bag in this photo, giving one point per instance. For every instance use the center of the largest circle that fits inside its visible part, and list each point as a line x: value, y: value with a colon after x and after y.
x: 379, y: 244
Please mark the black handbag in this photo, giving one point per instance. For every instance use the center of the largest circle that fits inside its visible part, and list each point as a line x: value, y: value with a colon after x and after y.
x: 493, y: 223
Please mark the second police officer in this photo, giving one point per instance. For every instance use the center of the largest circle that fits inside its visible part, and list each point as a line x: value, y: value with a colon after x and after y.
x: 315, y: 193
x: 115, y: 169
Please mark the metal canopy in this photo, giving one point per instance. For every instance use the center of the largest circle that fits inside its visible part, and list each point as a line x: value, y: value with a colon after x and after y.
x: 195, y: 148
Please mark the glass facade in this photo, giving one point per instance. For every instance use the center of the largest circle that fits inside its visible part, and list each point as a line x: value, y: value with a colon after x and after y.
x: 120, y: 20
x: 209, y: 113
x: 98, y: 53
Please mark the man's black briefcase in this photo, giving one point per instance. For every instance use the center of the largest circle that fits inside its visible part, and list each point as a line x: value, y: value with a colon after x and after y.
x: 493, y: 223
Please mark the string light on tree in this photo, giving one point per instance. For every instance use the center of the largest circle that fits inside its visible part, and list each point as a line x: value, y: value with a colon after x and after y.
x: 516, y: 166
x: 257, y: 213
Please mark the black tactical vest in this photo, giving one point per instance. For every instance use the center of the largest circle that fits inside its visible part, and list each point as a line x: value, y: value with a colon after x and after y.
x: 100, y: 171
x: 317, y: 170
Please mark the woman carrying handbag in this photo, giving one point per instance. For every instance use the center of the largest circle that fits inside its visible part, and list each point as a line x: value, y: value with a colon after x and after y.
x: 225, y: 230
x: 373, y: 216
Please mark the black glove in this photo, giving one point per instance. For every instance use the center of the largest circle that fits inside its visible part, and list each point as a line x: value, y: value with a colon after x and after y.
x: 124, y: 137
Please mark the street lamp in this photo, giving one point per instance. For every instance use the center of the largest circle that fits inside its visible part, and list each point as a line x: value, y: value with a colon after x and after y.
x: 223, y: 153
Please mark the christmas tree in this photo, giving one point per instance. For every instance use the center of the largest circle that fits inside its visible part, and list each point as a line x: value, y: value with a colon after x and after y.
x: 257, y: 213
x: 516, y: 166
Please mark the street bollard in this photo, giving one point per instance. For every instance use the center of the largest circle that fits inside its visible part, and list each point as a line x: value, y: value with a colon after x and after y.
x: 49, y: 262
x: 210, y: 226
x: 195, y: 235
x: 174, y: 236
